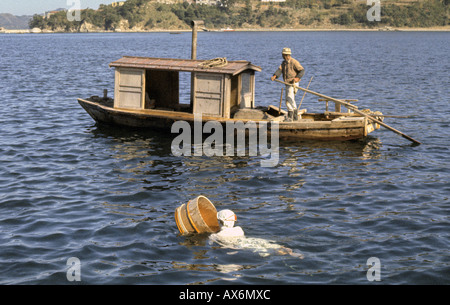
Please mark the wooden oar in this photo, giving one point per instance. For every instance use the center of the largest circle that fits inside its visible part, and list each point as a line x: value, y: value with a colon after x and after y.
x: 354, y: 109
x: 375, y: 116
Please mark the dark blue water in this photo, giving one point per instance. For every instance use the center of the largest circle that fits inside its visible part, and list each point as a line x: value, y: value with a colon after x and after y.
x: 71, y: 188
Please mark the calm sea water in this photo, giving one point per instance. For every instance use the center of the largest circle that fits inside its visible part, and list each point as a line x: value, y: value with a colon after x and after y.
x: 71, y: 188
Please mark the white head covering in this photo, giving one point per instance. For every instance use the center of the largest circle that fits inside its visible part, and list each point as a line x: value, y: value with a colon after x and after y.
x: 226, y: 218
x: 228, y: 234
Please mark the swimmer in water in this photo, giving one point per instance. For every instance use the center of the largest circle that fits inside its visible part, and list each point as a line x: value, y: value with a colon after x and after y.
x: 233, y: 237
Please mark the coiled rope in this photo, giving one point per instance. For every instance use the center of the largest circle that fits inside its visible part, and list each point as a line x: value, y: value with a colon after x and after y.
x: 375, y: 114
x: 215, y: 62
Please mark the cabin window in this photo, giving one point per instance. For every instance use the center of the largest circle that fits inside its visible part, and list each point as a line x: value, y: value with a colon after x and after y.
x: 241, y: 92
x: 185, y: 91
x: 247, y: 94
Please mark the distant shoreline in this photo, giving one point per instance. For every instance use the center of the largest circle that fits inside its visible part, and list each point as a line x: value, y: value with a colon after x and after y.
x: 382, y: 29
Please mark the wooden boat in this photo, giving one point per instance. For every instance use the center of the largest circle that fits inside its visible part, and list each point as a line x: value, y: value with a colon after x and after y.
x: 147, y: 96
x: 312, y: 126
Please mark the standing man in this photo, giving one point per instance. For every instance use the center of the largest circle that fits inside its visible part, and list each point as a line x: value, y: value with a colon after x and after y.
x: 292, y: 72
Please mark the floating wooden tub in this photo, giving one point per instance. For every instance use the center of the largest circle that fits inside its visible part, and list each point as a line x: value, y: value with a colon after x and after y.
x: 199, y: 215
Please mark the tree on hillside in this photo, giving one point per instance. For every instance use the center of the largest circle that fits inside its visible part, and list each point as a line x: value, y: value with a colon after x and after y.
x: 130, y: 11
x: 37, y: 22
x: 110, y: 16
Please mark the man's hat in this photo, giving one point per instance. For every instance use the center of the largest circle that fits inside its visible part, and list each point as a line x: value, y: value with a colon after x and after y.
x: 286, y: 51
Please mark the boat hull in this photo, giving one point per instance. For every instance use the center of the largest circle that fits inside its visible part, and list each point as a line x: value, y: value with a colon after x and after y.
x: 337, y: 129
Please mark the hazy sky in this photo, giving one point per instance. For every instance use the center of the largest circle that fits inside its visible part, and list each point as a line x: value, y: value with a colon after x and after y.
x: 30, y: 7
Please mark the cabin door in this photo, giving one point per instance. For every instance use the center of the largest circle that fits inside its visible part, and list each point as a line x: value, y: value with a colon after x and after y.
x: 129, y: 88
x: 208, y: 94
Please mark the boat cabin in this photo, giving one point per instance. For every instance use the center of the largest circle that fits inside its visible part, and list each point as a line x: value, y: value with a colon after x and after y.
x: 154, y: 83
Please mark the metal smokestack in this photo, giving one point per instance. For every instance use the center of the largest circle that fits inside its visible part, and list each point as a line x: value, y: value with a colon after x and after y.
x: 195, y: 25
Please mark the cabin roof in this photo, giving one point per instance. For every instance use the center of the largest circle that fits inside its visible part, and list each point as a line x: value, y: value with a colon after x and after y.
x: 185, y: 65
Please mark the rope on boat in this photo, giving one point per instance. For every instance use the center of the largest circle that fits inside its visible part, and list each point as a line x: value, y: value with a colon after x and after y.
x: 215, y: 62
x: 374, y: 114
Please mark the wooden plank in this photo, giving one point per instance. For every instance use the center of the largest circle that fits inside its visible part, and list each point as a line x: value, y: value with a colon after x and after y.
x: 143, y: 89
x: 275, y: 111
x: 226, y: 96
x: 354, y: 118
x: 116, y: 87
x: 253, y: 81
x: 235, y: 91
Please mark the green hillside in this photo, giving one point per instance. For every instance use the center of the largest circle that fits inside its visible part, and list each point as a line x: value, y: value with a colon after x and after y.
x: 145, y: 15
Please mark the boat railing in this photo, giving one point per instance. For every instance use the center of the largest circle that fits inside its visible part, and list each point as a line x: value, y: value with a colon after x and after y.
x: 337, y: 106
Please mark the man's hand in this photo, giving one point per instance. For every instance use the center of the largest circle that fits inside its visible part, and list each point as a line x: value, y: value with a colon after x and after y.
x: 296, y: 80
x: 273, y: 77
